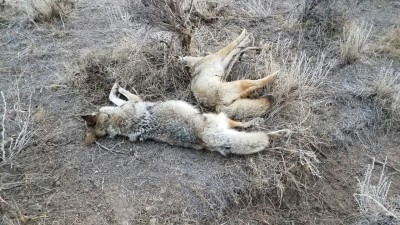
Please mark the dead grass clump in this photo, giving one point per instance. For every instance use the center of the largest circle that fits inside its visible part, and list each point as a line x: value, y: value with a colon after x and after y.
x: 41, y: 11
x: 387, y: 98
x: 147, y: 69
x: 92, y: 74
x: 16, y: 129
x: 372, y: 199
x: 392, y: 43
x: 255, y: 8
x: 354, y: 39
x: 320, y: 20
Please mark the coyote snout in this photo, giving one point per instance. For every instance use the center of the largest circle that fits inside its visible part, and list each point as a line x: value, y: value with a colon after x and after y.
x: 176, y: 123
x: 209, y: 88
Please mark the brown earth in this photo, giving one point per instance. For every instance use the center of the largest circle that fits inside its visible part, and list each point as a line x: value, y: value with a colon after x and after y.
x: 55, y: 179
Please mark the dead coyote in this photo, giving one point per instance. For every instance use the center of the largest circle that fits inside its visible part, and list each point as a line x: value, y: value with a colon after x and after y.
x: 209, y: 88
x: 176, y: 123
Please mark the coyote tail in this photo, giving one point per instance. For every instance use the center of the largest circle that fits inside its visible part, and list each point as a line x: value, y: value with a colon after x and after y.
x: 244, y: 143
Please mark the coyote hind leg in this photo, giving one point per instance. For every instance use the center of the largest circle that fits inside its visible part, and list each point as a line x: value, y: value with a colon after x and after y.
x: 248, y: 86
x: 233, y: 44
x: 247, y: 108
x: 253, y: 122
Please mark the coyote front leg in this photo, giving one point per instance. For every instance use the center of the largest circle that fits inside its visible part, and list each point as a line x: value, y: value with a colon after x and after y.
x: 113, y: 96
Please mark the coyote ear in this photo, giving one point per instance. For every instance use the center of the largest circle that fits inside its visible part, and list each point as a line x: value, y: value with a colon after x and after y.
x: 90, y: 119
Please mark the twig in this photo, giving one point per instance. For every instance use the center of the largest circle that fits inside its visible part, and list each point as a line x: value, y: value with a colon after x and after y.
x: 4, y: 201
x: 3, y: 141
x: 377, y: 162
x: 110, y: 150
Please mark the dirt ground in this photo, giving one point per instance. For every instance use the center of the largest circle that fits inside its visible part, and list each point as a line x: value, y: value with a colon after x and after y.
x: 55, y: 179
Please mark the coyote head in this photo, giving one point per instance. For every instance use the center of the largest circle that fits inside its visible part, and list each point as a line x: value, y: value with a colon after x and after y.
x: 97, y: 124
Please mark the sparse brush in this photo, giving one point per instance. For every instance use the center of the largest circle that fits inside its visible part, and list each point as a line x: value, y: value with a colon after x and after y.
x: 256, y: 8
x: 319, y: 21
x: 372, y: 199
x: 387, y: 97
x: 354, y: 39
x: 15, y: 139
x: 167, y: 15
x: 49, y: 10
x: 178, y: 17
x: 148, y: 69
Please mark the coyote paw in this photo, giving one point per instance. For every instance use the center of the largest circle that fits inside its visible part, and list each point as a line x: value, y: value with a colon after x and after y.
x: 281, y: 133
x: 115, y: 87
x: 284, y: 132
x: 255, y: 122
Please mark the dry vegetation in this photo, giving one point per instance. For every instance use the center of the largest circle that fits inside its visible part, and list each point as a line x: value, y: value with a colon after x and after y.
x: 16, y: 129
x: 372, y: 198
x: 392, y: 42
x: 355, y: 36
x: 387, y: 91
x: 339, y: 111
x: 40, y: 11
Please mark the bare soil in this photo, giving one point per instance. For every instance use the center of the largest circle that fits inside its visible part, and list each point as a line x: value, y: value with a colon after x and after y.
x: 58, y: 180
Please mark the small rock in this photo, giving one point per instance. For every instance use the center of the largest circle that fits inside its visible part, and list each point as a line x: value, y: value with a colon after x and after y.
x: 153, y: 221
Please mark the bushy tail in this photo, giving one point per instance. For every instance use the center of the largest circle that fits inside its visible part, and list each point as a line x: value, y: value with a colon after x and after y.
x: 241, y: 143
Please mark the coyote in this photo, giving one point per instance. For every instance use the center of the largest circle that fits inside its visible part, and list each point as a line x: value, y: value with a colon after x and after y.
x: 209, y: 88
x: 176, y: 123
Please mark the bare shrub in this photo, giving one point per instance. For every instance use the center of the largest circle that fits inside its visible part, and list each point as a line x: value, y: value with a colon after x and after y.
x: 387, y: 97
x: 16, y: 132
x: 372, y: 199
x: 353, y: 41
x: 178, y: 17
x: 48, y: 10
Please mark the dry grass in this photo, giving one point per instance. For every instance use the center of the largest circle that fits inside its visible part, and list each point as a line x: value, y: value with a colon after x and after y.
x: 168, y: 15
x: 372, y: 199
x: 392, y: 43
x: 16, y: 129
x: 148, y: 68
x: 387, y: 97
x: 354, y: 39
x: 48, y: 10
x: 255, y: 8
x: 178, y: 17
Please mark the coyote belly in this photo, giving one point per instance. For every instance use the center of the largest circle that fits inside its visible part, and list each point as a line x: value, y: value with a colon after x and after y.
x: 210, y: 89
x: 176, y: 123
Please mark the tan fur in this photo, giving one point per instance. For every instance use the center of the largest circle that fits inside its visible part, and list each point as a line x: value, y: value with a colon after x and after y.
x: 231, y: 98
x: 176, y: 123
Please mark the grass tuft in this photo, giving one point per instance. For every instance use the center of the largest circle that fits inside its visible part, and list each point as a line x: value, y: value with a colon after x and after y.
x: 41, y: 11
x: 150, y: 65
x: 372, y: 198
x: 387, y: 97
x: 353, y: 42
x: 392, y: 42
x: 15, y: 138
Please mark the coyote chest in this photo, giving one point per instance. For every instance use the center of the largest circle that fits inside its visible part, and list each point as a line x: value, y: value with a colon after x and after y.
x: 206, y: 89
x: 171, y: 122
